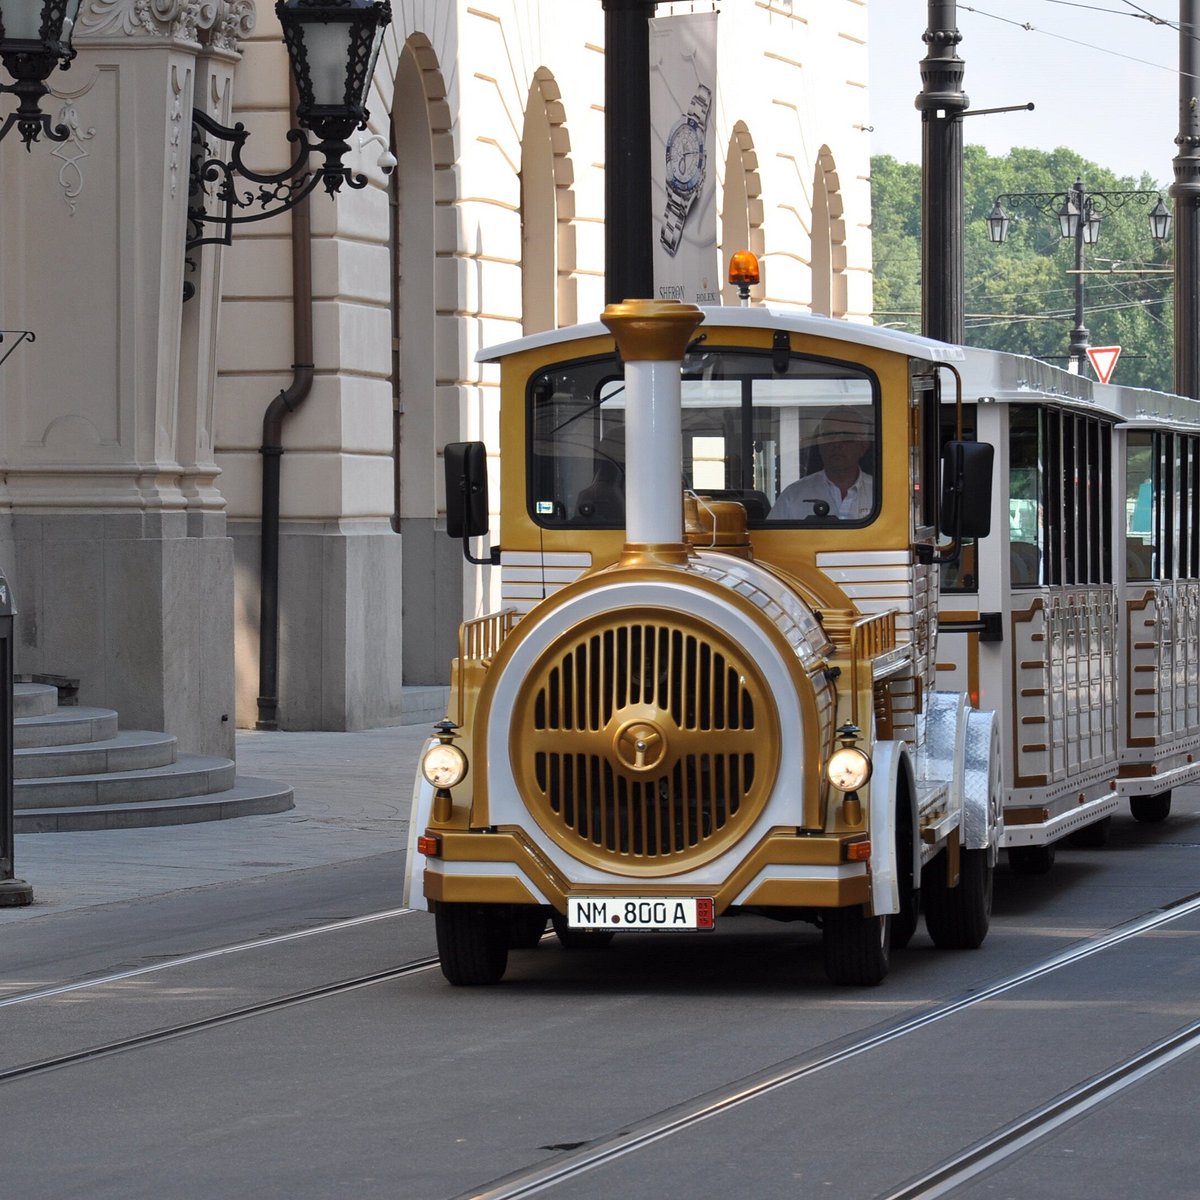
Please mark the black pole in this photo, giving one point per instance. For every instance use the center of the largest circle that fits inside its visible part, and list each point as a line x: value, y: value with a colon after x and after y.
x: 1077, y: 351
x: 942, y: 103
x: 628, y: 220
x: 13, y: 892
x: 1186, y: 193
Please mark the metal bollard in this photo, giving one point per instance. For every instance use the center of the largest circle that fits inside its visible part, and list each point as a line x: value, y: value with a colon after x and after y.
x: 13, y: 892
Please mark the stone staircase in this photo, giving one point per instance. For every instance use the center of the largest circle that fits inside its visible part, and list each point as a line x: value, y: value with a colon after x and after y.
x: 74, y: 769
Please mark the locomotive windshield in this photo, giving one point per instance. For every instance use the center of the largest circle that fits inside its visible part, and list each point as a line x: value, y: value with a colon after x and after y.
x: 796, y: 447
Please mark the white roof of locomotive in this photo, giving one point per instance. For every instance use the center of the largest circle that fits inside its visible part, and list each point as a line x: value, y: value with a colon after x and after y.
x: 988, y: 375
x: 765, y: 316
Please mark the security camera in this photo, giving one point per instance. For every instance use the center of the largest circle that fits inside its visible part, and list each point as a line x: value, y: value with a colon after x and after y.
x: 386, y: 161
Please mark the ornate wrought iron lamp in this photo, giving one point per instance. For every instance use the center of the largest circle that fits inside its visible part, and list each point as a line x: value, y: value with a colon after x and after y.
x: 332, y: 45
x: 1079, y: 213
x: 35, y: 40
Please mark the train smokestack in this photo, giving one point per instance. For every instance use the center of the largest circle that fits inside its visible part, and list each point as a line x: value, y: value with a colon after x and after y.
x: 652, y: 338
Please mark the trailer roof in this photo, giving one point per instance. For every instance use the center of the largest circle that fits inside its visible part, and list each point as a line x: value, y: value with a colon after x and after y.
x: 994, y: 376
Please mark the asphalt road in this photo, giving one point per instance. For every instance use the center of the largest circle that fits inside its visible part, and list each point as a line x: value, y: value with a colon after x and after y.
x: 696, y: 1066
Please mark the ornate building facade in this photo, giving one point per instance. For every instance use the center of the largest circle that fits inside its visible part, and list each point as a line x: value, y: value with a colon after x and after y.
x: 132, y: 428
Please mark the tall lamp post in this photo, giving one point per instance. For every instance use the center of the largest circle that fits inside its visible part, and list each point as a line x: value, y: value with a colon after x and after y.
x: 628, y: 222
x: 1185, y: 191
x: 1079, y: 214
x: 942, y: 103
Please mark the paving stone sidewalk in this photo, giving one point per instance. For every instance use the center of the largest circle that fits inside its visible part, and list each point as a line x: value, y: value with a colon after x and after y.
x: 352, y: 793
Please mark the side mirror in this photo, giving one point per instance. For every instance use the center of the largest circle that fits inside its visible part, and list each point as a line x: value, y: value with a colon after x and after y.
x: 467, y: 494
x: 967, y: 489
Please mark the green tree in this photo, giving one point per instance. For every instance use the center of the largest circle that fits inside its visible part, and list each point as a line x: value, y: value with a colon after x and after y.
x: 1020, y: 296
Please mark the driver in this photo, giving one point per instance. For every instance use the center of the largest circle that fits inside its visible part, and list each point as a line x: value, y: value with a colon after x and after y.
x: 840, y: 489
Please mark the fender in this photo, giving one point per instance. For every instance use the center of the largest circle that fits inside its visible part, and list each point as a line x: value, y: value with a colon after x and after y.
x: 889, y: 759
x: 418, y: 822
x: 982, y: 811
x: 940, y: 756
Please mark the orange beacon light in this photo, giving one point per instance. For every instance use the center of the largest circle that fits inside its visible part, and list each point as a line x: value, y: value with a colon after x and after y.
x: 743, y: 274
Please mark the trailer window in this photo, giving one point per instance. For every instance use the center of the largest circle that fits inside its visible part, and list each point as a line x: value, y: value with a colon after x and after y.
x: 797, y: 446
x: 1162, y: 505
x: 1059, y: 486
x: 1026, y: 497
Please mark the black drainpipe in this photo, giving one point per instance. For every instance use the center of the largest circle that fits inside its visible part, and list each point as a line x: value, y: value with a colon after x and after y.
x: 272, y: 451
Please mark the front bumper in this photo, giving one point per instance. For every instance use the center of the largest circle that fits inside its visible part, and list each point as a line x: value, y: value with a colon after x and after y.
x: 784, y: 870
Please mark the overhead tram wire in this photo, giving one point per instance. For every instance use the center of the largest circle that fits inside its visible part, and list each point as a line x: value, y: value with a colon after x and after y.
x: 1147, y: 15
x: 1114, y: 12
x: 1029, y: 27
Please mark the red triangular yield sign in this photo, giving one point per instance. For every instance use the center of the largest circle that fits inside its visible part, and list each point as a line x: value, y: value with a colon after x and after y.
x: 1104, y: 358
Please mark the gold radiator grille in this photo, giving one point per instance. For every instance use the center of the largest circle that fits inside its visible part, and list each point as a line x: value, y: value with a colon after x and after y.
x: 645, y: 743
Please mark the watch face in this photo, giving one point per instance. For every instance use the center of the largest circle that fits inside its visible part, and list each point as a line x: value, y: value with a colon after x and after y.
x: 685, y: 157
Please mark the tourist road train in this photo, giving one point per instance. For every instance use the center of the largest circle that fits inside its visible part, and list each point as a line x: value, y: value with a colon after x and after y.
x: 802, y: 618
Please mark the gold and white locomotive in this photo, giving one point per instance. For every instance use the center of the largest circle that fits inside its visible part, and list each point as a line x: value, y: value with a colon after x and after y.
x: 710, y: 686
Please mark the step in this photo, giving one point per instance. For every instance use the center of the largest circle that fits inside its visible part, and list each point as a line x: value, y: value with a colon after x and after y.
x: 423, y: 705
x: 66, y: 727
x: 130, y: 750
x: 189, y: 775
x: 34, y: 699
x: 248, y: 797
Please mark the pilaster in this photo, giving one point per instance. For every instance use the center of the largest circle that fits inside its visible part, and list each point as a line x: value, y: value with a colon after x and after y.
x: 120, y: 564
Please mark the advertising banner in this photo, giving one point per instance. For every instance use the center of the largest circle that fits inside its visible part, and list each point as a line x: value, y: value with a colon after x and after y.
x: 683, y: 89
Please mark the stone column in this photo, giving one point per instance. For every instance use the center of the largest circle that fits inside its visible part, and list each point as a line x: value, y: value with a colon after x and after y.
x: 120, y: 563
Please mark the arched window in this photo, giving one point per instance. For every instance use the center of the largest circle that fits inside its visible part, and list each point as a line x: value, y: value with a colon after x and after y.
x: 431, y: 564
x: 547, y: 247
x: 828, y: 240
x: 741, y: 211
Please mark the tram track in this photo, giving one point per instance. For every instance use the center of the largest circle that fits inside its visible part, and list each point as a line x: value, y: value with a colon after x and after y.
x: 185, y: 960
x: 576, y: 1162
x: 1041, y: 1122
x: 185, y: 1028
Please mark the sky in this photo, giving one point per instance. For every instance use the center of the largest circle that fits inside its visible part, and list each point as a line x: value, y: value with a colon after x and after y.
x: 1103, y: 79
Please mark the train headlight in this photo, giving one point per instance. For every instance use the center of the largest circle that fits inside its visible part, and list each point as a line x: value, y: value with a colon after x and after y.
x: 848, y: 768
x: 444, y: 765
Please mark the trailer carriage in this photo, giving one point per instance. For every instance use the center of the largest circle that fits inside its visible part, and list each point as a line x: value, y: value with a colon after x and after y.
x: 1080, y: 610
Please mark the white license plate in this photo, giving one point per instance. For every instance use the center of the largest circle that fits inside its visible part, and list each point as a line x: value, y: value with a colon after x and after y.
x: 640, y: 912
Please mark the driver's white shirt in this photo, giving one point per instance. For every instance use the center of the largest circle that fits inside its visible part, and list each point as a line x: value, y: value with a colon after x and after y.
x: 796, y: 501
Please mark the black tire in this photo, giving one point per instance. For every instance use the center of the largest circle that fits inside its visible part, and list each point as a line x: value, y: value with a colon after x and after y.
x: 905, y: 921
x: 1030, y: 860
x: 472, y: 942
x: 525, y: 927
x: 957, y: 918
x: 1151, y: 809
x: 857, y: 946
x: 580, y: 939
x: 1093, y: 836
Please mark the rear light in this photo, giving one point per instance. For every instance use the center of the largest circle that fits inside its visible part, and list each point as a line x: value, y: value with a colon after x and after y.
x: 429, y: 845
x: 858, y: 851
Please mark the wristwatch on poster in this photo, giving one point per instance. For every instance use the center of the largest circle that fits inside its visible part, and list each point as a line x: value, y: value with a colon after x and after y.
x: 686, y: 165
